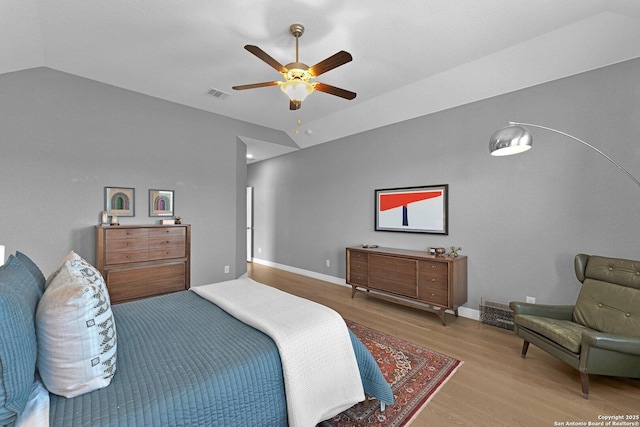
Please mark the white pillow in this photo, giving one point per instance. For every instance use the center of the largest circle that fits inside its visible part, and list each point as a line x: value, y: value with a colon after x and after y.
x: 76, y: 332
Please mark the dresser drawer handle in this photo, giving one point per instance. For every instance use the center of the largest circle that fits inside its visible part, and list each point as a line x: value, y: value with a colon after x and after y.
x: 433, y: 280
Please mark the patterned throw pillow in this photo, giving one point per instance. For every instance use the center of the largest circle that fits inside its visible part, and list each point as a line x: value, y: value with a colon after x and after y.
x: 76, y: 331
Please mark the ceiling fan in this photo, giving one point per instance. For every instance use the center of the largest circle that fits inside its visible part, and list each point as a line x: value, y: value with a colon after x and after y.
x: 297, y: 75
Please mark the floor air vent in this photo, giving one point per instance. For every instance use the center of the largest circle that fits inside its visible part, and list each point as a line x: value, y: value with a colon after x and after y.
x: 496, y: 313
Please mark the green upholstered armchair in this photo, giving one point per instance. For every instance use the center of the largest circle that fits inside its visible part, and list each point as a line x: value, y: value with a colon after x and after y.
x: 598, y: 335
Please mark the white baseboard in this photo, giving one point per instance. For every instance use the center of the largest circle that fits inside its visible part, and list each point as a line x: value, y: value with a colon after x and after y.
x: 469, y: 313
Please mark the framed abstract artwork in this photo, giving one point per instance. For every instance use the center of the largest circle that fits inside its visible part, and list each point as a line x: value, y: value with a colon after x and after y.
x: 161, y: 202
x: 413, y: 209
x: 119, y: 201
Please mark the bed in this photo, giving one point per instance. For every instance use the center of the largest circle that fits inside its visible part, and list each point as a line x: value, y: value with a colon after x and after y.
x: 183, y: 360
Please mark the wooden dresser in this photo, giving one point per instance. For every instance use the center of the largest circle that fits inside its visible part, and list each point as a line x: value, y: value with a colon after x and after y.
x: 139, y: 261
x: 413, y: 278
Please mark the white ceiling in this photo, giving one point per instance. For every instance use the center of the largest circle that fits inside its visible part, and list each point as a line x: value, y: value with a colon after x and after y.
x: 410, y: 57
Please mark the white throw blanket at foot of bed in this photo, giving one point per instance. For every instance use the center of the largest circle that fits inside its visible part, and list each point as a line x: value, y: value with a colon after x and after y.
x: 321, y: 374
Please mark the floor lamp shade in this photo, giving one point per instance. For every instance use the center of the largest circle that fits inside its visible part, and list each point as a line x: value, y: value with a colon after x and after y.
x: 515, y: 138
x: 509, y: 140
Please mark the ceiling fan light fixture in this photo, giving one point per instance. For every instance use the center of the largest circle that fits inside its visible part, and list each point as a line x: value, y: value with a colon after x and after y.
x: 296, y: 90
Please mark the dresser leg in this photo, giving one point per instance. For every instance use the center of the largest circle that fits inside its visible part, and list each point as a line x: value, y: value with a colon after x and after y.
x: 353, y: 291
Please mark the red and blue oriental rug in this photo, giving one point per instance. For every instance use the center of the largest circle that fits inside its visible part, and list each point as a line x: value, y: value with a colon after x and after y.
x: 415, y: 374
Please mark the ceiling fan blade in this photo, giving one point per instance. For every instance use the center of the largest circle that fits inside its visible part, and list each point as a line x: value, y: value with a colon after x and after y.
x: 266, y: 58
x: 332, y: 90
x: 330, y: 63
x: 295, y: 104
x: 255, y: 85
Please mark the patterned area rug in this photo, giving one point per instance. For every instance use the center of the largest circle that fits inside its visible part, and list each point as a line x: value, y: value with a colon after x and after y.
x: 415, y: 374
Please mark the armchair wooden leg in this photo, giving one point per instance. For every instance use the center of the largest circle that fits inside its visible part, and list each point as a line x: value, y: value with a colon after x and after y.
x: 525, y: 347
x: 584, y: 379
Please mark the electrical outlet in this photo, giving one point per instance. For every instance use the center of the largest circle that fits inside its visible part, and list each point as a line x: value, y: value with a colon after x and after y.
x: 259, y: 250
x: 531, y: 300
x: 226, y: 269
x: 328, y: 263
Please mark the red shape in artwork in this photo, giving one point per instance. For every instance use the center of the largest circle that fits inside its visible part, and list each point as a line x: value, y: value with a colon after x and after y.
x: 395, y: 200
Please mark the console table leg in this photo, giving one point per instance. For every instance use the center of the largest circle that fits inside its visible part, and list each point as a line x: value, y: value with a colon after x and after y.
x: 441, y: 314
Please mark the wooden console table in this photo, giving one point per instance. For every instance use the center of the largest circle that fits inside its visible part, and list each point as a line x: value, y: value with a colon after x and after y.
x: 413, y: 278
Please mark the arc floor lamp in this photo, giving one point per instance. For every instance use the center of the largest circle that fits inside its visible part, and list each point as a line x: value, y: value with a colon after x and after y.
x: 516, y: 138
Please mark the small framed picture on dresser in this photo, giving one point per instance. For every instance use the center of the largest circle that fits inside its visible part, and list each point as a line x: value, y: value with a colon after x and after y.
x: 119, y: 201
x: 161, y: 203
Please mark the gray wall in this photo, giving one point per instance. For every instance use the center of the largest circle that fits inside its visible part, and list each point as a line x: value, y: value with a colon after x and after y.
x: 520, y: 219
x: 64, y: 138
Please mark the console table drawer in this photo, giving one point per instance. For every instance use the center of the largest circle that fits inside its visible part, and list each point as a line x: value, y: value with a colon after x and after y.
x: 392, y: 274
x: 434, y: 296
x: 433, y: 275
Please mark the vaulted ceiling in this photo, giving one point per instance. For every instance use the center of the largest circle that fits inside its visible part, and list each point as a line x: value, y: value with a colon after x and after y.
x: 410, y: 57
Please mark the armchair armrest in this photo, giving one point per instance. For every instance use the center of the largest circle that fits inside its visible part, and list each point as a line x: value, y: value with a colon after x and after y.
x: 620, y: 343
x: 560, y: 312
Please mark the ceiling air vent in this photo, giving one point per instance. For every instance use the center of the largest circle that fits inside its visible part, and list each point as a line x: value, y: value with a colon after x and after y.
x: 216, y: 93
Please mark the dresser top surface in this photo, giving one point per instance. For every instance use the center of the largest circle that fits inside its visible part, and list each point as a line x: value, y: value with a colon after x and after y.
x: 116, y: 227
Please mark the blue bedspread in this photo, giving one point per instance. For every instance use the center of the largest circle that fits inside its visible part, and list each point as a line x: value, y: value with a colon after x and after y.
x: 183, y: 361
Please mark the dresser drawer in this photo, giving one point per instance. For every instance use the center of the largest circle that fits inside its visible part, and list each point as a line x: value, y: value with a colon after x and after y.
x: 119, y: 245
x: 141, y: 282
x: 167, y: 231
x: 167, y: 252
x: 125, y: 233
x: 128, y: 256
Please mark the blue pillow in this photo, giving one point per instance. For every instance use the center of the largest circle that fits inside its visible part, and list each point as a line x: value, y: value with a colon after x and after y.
x: 19, y: 296
x: 33, y: 268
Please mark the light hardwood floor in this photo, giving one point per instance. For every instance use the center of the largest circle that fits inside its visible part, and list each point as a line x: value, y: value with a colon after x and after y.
x: 494, y: 386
